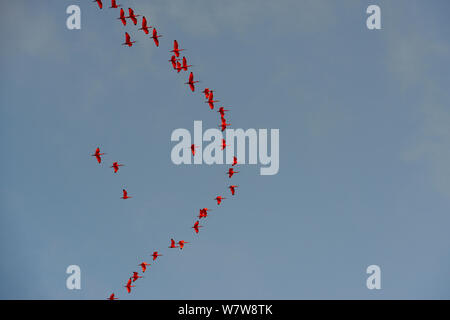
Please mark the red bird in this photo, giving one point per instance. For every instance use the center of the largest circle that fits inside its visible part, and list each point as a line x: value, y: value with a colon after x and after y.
x: 174, y: 62
x: 125, y: 194
x: 144, y: 266
x: 129, y: 286
x: 122, y: 17
x: 144, y: 25
x: 191, y: 82
x: 132, y: 16
x: 234, y: 161
x: 223, y: 126
x: 222, y: 111
x: 176, y: 50
x: 211, y: 100
x: 128, y: 41
x: 179, y: 67
x: 181, y: 243
x: 193, y: 149
x: 97, y: 154
x: 231, y: 172
x: 136, y: 276
x: 196, y: 226
x: 99, y: 2
x: 219, y: 199
x: 206, y: 92
x: 232, y: 189
x: 156, y: 255
x: 155, y: 37
x: 204, y: 213
x: 114, y: 4
x: 172, y: 244
x: 111, y: 297
x: 223, y: 144
x: 116, y: 166
x: 185, y: 65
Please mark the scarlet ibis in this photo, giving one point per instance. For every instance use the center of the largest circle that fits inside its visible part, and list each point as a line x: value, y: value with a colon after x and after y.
x: 99, y: 2
x: 174, y: 62
x: 136, y: 276
x: 144, y: 25
x: 114, y: 4
x: 211, y: 100
x: 132, y: 16
x: 116, y: 166
x: 232, y: 189
x: 193, y: 149
x: 128, y: 41
x: 129, y: 286
x: 176, y: 50
x: 155, y: 37
x: 206, y: 92
x: 223, y: 126
x: 231, y: 172
x: 204, y: 213
x: 185, y: 65
x: 125, y: 194
x: 223, y: 144
x: 219, y: 199
x: 222, y: 111
x: 191, y: 82
x: 144, y: 266
x: 181, y: 243
x: 179, y: 67
x: 122, y: 17
x: 172, y: 244
x: 112, y: 297
x: 196, y: 226
x: 234, y: 161
x: 97, y: 154
x: 156, y: 255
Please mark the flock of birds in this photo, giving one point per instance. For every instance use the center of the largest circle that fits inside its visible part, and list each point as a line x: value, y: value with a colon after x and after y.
x: 209, y: 96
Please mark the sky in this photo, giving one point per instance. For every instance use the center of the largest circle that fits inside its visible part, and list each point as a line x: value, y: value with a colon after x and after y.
x: 364, y: 175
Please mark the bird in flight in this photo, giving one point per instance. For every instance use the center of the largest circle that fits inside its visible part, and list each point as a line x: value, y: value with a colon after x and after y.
x: 219, y: 199
x: 98, y: 155
x: 181, y: 243
x: 145, y: 27
x: 156, y: 255
x: 206, y: 92
x: 155, y: 37
x: 176, y: 50
x: 129, y: 286
x: 223, y: 126
x: 99, y: 2
x: 193, y: 147
x: 231, y: 172
x: 128, y: 41
x: 234, y: 161
x: 174, y: 60
x: 136, y: 276
x: 185, y: 65
x: 172, y: 244
x: 196, y: 226
x: 232, y: 189
x: 211, y: 100
x: 222, y: 111
x: 191, y: 82
x: 132, y: 16
x: 116, y: 166
x: 144, y: 265
x: 224, y: 145
x: 125, y: 194
x: 114, y: 4
x: 122, y: 17
x: 112, y: 297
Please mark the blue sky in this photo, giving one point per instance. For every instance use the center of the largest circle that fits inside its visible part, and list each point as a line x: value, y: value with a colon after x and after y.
x: 364, y: 150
